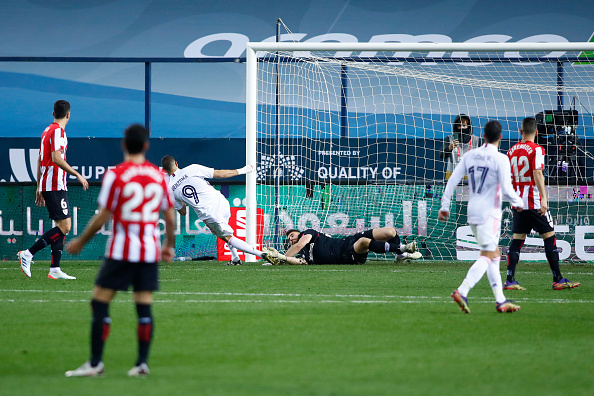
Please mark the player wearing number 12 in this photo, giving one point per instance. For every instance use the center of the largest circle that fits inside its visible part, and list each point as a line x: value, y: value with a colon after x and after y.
x: 133, y: 194
x: 489, y: 175
x: 527, y: 164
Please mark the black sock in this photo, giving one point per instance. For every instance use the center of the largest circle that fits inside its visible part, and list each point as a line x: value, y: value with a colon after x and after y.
x: 384, y: 247
x: 145, y: 332
x: 513, y: 256
x: 57, y: 247
x: 46, y: 239
x: 395, y: 241
x: 99, y: 330
x: 552, y: 253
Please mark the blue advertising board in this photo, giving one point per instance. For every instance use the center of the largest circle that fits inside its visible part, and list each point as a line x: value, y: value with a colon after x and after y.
x: 294, y: 160
x: 92, y: 157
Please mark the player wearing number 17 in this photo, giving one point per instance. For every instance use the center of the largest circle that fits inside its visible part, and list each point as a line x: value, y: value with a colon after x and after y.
x: 527, y: 164
x: 489, y: 175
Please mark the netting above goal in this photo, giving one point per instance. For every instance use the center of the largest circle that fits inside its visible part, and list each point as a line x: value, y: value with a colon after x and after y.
x: 352, y: 137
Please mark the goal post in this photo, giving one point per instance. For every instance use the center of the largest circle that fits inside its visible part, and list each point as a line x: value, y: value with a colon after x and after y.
x: 347, y: 136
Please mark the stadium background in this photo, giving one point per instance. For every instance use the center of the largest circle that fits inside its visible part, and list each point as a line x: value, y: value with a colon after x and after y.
x: 198, y: 109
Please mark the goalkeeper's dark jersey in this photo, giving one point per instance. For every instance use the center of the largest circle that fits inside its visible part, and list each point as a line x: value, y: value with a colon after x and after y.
x: 323, y: 249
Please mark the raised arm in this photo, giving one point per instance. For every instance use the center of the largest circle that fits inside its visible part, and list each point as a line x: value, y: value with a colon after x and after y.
x: 225, y: 173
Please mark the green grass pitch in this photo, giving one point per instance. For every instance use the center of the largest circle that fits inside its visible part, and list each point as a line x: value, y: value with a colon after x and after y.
x: 375, y: 329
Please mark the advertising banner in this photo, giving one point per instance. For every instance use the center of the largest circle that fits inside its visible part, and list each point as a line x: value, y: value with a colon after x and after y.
x: 573, y: 221
x: 237, y: 222
x: 22, y: 223
x: 91, y: 157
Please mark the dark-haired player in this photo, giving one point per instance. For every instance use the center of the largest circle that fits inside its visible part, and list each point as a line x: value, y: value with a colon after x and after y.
x: 315, y: 247
x: 527, y: 164
x: 190, y: 189
x: 132, y: 194
x: 51, y: 192
x: 488, y: 177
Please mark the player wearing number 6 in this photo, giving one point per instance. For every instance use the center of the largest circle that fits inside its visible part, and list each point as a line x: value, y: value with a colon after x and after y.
x: 132, y: 194
x: 489, y: 175
x: 527, y: 164
x: 52, y: 192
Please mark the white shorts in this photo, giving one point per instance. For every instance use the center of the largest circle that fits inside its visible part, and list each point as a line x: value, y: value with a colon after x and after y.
x: 220, y: 229
x: 487, y: 234
x: 217, y: 220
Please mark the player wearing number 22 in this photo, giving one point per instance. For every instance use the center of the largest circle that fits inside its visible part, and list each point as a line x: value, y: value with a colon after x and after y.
x: 489, y: 176
x: 132, y: 195
x: 527, y: 164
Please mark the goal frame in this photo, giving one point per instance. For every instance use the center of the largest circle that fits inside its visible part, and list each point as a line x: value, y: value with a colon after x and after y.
x: 252, y: 89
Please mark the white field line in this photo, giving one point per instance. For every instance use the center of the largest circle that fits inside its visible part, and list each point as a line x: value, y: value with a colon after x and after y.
x: 86, y: 301
x: 316, y: 268
x: 286, y: 298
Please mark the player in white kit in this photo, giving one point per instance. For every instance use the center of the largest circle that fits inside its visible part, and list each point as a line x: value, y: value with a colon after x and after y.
x: 190, y: 188
x: 489, y: 175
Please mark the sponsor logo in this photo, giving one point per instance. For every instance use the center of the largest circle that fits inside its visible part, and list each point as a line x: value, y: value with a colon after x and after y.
x: 237, y: 221
x: 238, y: 43
x: 282, y: 166
x: 21, y: 169
x: 533, y: 249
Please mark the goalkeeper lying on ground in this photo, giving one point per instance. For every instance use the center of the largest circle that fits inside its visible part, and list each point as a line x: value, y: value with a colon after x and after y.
x: 313, y: 247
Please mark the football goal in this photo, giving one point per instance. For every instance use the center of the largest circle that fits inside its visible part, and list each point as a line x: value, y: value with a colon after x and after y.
x: 348, y: 137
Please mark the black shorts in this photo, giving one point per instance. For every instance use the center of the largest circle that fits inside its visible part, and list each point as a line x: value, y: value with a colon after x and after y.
x: 57, y: 204
x: 119, y: 275
x: 529, y: 219
x: 349, y: 256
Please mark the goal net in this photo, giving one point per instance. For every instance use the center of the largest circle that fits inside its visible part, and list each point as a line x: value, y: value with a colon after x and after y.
x: 348, y: 137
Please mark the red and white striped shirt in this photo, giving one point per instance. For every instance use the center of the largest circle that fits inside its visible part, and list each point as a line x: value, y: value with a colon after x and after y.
x: 134, y: 193
x: 53, y: 178
x: 525, y: 157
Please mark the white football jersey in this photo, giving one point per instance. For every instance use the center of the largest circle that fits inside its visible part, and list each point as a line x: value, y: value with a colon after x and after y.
x: 188, y: 186
x: 489, y: 175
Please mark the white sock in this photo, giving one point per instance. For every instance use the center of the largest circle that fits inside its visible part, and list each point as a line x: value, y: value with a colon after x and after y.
x: 234, y: 255
x: 474, y: 275
x: 243, y: 246
x: 494, y: 275
x: 55, y: 269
